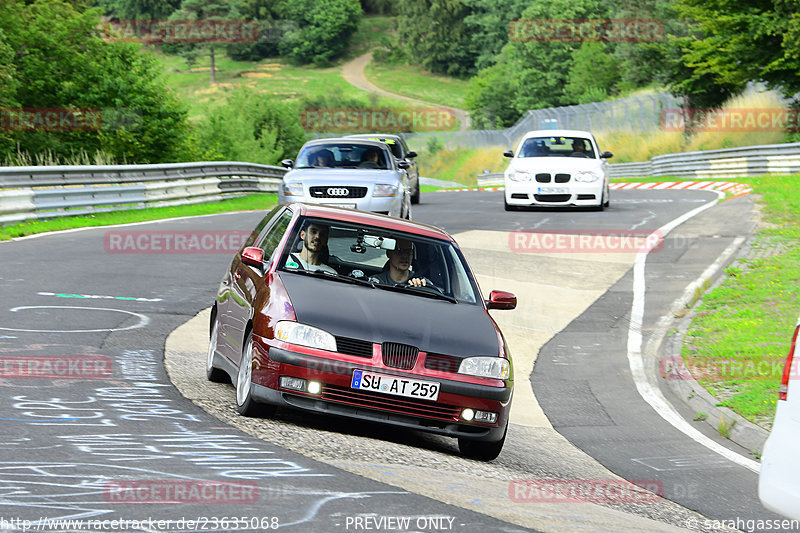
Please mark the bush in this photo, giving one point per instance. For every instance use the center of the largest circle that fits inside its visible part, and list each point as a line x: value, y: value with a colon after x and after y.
x: 323, y: 31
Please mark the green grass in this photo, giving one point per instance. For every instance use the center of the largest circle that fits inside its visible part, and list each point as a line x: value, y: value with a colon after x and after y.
x: 251, y: 202
x: 370, y: 33
x: 738, y: 340
x: 412, y: 81
x: 271, y: 77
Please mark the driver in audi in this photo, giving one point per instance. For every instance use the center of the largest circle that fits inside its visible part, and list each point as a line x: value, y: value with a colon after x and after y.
x: 399, y: 267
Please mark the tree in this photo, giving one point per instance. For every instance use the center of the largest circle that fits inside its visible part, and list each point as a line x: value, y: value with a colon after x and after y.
x: 594, y: 72
x: 734, y: 43
x: 139, y: 9
x: 60, y: 61
x: 202, y: 10
x: 437, y: 36
x: 322, y: 30
x: 250, y: 127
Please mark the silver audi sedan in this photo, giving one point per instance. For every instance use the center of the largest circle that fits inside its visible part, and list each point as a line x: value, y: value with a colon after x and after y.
x: 355, y: 173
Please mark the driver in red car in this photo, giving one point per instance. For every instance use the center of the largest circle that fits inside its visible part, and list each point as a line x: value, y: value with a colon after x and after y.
x: 399, y: 267
x: 315, y: 241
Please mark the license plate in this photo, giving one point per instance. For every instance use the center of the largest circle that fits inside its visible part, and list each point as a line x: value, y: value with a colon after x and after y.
x: 386, y: 384
x: 349, y: 206
x: 553, y: 190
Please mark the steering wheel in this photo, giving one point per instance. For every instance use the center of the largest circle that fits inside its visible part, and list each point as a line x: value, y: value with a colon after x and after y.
x: 429, y: 287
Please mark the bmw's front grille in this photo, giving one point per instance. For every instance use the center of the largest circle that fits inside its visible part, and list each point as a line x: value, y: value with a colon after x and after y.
x: 402, y: 356
x: 338, y: 192
x: 543, y: 178
x: 562, y: 178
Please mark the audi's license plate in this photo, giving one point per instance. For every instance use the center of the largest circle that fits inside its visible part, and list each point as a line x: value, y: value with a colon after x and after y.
x: 349, y: 206
x: 386, y: 384
x: 553, y: 190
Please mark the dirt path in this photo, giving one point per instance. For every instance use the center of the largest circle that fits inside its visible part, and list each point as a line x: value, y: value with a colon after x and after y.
x: 353, y: 73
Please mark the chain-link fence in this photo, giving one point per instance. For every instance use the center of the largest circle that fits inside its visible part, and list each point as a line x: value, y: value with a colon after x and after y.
x: 635, y: 113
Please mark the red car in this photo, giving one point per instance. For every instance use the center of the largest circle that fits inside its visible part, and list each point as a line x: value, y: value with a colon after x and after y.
x: 364, y: 316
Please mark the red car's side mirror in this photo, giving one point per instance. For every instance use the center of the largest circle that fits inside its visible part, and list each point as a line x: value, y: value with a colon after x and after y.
x: 501, y: 300
x: 253, y: 256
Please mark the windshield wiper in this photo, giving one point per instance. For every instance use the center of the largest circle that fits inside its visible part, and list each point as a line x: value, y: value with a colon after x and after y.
x: 422, y: 291
x: 319, y: 273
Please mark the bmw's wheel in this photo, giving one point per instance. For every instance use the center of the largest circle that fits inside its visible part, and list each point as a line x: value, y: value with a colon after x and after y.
x: 213, y: 373
x: 481, y: 450
x: 245, y: 403
x: 510, y: 207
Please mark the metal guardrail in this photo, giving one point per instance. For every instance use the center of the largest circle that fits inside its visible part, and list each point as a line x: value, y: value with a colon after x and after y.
x: 723, y: 163
x: 43, y: 192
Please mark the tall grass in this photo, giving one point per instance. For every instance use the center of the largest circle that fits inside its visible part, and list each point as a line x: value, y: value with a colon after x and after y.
x: 22, y: 158
x: 462, y: 166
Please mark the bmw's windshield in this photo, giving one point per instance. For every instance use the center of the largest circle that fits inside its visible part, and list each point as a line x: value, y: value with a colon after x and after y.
x: 557, y: 147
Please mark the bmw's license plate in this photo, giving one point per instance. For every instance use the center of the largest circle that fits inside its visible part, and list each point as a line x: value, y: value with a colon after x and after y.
x: 386, y: 384
x: 553, y: 190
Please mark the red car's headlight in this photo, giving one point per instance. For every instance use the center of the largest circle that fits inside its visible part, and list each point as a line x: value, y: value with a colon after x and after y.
x: 304, y: 335
x: 486, y: 367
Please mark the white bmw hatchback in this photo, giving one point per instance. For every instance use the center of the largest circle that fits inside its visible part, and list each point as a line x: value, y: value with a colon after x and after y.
x: 779, y: 480
x: 556, y: 168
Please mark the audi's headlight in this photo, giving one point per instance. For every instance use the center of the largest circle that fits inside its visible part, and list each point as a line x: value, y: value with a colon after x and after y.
x: 384, y: 190
x: 293, y: 189
x: 486, y: 367
x: 587, y: 176
x: 296, y: 333
x: 520, y: 176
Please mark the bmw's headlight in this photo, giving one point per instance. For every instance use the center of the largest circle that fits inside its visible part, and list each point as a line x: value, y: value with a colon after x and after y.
x: 486, y: 367
x: 520, y: 176
x: 384, y: 190
x: 296, y: 333
x: 293, y: 189
x: 587, y: 176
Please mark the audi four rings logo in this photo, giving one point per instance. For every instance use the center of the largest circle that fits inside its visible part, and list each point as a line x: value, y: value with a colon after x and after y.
x: 337, y: 191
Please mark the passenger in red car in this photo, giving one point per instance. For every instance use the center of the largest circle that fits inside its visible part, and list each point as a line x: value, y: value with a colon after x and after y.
x: 315, y: 241
x: 399, y: 267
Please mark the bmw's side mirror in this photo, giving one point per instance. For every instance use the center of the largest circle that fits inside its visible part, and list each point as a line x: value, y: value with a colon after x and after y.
x: 606, y: 155
x: 508, y: 153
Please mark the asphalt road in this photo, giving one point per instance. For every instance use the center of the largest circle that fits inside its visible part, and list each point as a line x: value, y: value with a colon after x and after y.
x: 72, y: 438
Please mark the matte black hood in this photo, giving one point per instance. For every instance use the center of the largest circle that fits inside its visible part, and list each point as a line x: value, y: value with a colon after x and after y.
x: 380, y: 315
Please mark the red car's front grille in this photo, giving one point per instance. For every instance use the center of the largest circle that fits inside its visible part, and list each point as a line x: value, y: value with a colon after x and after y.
x: 442, y: 363
x: 354, y: 347
x: 402, y: 356
x: 396, y: 404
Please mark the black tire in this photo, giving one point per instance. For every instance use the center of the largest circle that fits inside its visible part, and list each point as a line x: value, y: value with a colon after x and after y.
x: 415, y: 196
x: 213, y: 373
x: 245, y: 404
x: 482, y: 450
x: 509, y: 207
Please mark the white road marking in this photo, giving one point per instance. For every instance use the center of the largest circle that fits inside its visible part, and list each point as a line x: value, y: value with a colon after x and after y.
x: 143, y: 320
x: 648, y: 389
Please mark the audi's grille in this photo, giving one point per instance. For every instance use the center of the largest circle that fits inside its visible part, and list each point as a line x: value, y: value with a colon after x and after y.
x: 400, y: 356
x: 356, y: 347
x: 543, y: 178
x: 442, y: 363
x: 338, y: 192
x: 562, y: 178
